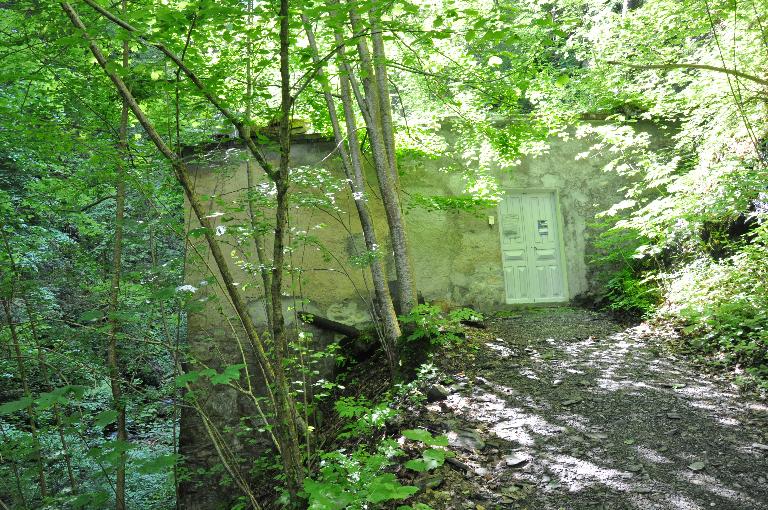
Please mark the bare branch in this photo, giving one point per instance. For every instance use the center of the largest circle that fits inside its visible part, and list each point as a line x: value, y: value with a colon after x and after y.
x: 705, y: 67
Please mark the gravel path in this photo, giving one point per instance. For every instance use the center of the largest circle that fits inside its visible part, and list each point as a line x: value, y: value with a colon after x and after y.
x: 562, y: 408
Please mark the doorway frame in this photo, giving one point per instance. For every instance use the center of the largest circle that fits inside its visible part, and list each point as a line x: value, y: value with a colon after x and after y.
x: 560, y: 240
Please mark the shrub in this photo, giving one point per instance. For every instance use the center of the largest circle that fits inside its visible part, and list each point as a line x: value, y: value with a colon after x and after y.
x: 428, y: 322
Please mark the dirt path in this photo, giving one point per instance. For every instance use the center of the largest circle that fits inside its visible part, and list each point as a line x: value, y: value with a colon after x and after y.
x: 564, y: 409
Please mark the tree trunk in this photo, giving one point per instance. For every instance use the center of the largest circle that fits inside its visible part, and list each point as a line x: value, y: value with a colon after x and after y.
x: 291, y: 450
x: 16, y: 344
x: 43, y: 367
x: 258, y: 239
x: 113, y: 357
x: 353, y: 170
x: 370, y: 105
x: 382, y: 84
x: 27, y: 394
x: 285, y: 416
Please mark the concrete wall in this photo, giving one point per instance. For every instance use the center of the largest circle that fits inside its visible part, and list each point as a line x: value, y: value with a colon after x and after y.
x: 456, y: 258
x: 456, y: 255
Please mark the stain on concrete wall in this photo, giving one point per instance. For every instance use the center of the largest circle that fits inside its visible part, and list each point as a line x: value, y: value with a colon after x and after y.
x: 456, y: 258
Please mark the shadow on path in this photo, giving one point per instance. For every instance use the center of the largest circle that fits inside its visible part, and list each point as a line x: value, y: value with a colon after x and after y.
x: 562, y: 408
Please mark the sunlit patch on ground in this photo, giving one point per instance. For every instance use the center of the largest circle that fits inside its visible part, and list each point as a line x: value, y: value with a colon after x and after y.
x: 591, y: 415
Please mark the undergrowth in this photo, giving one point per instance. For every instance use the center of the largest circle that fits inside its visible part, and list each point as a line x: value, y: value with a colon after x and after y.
x: 718, y: 299
x: 372, y: 458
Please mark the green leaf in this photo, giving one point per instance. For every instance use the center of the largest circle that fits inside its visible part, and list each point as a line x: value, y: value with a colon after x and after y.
x: 16, y: 405
x: 197, y: 232
x: 192, y: 376
x: 158, y: 464
x: 92, y: 315
x: 425, y: 437
x: 230, y: 373
x: 59, y: 396
x: 164, y: 293
x: 419, y: 465
x: 104, y: 418
x: 326, y: 496
x: 386, y: 487
x: 430, y: 459
x: 92, y: 500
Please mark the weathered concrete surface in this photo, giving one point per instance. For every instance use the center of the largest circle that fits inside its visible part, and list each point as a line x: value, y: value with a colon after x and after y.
x: 456, y: 258
x: 456, y: 255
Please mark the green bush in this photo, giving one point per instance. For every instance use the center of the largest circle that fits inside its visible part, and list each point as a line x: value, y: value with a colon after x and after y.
x: 429, y: 322
x: 626, y: 270
x: 626, y: 291
x: 722, y: 305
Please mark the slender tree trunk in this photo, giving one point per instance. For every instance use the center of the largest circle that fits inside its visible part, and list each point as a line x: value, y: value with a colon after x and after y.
x: 113, y: 357
x: 370, y: 105
x: 258, y: 239
x: 22, y: 499
x: 258, y: 243
x: 291, y: 450
x: 353, y: 170
x: 382, y: 84
x: 32, y: 418
x: 285, y: 416
x: 43, y: 367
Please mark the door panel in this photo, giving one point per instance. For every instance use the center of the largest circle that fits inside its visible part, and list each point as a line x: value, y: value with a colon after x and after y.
x: 514, y: 250
x: 530, y: 244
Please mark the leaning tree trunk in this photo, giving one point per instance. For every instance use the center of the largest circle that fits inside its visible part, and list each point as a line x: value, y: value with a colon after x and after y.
x: 370, y: 106
x: 285, y: 416
x: 16, y: 344
x: 353, y: 170
x: 382, y: 84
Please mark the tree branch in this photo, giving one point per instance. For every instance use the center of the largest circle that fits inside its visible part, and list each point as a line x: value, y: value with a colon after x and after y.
x: 242, y: 132
x: 705, y: 67
x: 89, y: 206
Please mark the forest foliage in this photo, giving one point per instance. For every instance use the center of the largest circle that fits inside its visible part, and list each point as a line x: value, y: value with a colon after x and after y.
x: 96, y: 367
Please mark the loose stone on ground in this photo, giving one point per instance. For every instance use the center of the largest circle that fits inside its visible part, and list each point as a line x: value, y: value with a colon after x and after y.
x: 565, y: 409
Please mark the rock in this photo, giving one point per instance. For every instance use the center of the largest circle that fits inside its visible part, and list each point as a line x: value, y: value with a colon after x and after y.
x: 481, y: 471
x: 433, y: 482
x: 437, y: 392
x: 468, y: 439
x: 457, y: 464
x: 635, y: 468
x: 515, y: 460
x: 697, y: 466
x: 482, y: 381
